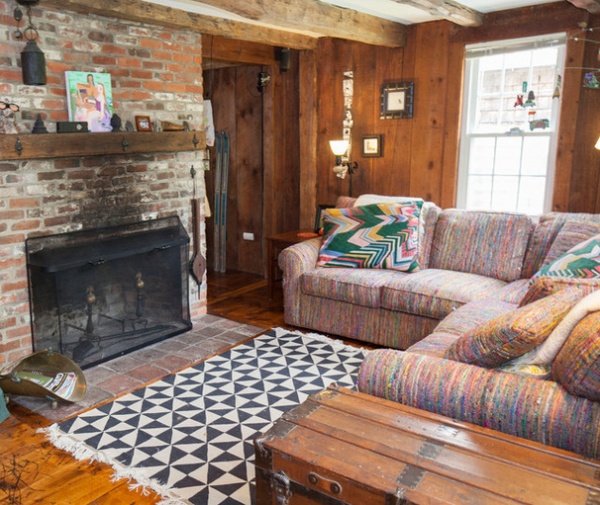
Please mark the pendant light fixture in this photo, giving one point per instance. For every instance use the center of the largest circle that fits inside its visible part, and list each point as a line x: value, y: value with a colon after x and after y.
x: 33, y: 61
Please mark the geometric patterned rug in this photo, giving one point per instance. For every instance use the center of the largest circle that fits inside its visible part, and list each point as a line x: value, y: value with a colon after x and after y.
x: 189, y: 436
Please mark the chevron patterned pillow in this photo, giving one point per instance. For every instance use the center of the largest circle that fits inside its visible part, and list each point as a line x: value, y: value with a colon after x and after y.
x: 581, y: 261
x: 384, y: 235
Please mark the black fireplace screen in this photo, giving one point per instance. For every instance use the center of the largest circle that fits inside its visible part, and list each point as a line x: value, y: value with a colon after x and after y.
x: 98, y: 294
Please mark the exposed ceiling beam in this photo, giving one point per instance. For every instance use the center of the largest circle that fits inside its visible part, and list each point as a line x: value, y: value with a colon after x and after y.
x: 318, y: 17
x: 153, y: 14
x: 592, y: 6
x: 305, y: 15
x: 447, y: 9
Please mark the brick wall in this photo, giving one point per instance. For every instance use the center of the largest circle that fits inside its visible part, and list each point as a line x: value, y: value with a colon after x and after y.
x: 155, y: 72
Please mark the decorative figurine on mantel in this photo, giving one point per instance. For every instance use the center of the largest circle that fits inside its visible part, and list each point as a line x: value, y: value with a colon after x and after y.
x: 8, y: 117
x: 115, y: 122
x: 39, y: 126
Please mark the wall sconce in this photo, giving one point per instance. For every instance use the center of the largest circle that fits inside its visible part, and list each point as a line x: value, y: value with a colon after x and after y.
x: 33, y: 61
x: 343, y: 167
x: 597, y: 146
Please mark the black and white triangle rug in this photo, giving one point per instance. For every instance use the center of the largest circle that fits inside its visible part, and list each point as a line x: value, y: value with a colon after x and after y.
x: 189, y: 436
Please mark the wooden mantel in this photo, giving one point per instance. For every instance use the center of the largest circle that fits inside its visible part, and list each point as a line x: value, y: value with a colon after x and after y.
x: 60, y: 145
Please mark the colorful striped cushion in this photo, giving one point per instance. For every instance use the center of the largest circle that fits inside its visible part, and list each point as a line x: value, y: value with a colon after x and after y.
x: 572, y: 233
x: 435, y: 293
x: 581, y: 261
x: 491, y: 244
x: 515, y: 333
x: 382, y: 235
x: 540, y: 242
x: 544, y: 286
x: 358, y: 286
x: 577, y: 366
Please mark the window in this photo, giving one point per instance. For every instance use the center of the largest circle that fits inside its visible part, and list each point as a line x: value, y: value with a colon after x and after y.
x: 510, y: 118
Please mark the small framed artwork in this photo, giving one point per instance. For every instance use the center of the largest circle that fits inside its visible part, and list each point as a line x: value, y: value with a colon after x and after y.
x: 397, y: 100
x: 372, y: 146
x: 143, y: 124
x: 319, y: 216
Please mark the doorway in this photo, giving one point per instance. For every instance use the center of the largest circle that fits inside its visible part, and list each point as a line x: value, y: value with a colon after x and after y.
x: 238, y: 111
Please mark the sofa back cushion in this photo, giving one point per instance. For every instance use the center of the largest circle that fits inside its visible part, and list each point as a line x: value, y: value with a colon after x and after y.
x: 555, y: 234
x: 492, y: 244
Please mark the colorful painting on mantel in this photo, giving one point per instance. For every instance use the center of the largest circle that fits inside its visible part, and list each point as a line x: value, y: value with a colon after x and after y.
x: 89, y: 98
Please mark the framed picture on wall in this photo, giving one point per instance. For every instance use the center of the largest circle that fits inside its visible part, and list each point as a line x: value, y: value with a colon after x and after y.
x: 397, y: 100
x: 372, y: 146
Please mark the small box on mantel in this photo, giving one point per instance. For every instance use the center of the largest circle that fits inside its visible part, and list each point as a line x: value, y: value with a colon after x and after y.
x: 72, y: 127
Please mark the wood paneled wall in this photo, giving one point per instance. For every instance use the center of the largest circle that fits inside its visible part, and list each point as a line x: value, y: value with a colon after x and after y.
x: 420, y: 155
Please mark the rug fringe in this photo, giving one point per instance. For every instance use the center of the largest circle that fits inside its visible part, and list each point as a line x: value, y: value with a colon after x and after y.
x: 138, y: 481
x: 335, y: 343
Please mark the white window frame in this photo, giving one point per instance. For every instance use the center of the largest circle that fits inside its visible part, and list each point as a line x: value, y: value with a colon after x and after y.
x: 469, y: 106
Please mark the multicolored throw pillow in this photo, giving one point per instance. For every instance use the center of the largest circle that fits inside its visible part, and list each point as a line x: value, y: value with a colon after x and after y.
x: 577, y: 366
x: 513, y: 334
x: 545, y: 286
x: 384, y: 235
x: 581, y: 261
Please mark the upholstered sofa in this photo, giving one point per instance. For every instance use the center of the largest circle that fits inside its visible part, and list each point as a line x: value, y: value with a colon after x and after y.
x: 475, y: 269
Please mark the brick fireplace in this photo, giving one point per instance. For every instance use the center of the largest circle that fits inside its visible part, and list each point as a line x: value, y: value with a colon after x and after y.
x: 153, y: 73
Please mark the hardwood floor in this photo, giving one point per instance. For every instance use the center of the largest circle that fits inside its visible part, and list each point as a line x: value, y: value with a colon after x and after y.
x: 33, y: 471
x: 244, y: 298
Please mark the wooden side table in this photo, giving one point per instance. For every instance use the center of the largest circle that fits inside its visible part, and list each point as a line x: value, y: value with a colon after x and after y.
x: 276, y: 244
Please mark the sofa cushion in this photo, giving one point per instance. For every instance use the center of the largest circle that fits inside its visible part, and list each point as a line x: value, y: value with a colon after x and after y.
x: 435, y: 293
x: 473, y: 314
x: 581, y: 261
x: 540, y: 241
x: 373, y: 236
x: 545, y: 353
x: 570, y: 235
x: 357, y: 286
x: 514, y: 333
x: 546, y: 233
x: 545, y: 286
x: 577, y: 366
x: 491, y: 244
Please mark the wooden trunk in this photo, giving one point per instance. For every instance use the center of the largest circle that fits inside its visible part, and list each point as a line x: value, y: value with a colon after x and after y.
x: 343, y: 447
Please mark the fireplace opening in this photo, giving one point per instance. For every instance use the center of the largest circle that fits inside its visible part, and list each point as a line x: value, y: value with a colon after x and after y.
x: 98, y: 294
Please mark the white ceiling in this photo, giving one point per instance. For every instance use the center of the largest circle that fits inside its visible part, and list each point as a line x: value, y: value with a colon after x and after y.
x: 389, y: 9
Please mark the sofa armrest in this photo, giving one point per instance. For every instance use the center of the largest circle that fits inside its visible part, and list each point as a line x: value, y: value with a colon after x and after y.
x: 294, y: 261
x: 534, y: 409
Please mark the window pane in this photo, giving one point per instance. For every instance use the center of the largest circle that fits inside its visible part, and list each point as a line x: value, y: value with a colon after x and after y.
x: 481, y: 160
x: 479, y: 192
x: 515, y: 78
x: 491, y: 80
x: 503, y: 171
x: 535, y: 155
x: 504, y: 196
x: 531, y: 196
x: 508, y: 156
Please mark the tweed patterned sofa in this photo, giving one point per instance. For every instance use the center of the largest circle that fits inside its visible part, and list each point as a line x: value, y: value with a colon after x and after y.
x: 476, y: 268
x: 463, y: 256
